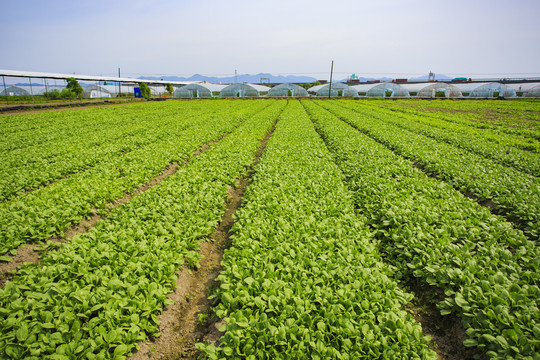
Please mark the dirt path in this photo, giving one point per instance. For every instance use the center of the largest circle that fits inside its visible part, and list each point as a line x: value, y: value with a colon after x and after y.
x: 189, y: 320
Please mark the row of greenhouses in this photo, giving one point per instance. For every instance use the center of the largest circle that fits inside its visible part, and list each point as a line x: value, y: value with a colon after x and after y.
x: 384, y: 89
x: 423, y: 90
x: 90, y: 92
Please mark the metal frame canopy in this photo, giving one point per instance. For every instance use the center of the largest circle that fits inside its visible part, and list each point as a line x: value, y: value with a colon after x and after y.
x: 41, y: 75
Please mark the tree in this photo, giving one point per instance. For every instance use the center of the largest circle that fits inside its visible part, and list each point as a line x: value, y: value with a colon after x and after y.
x: 169, y: 88
x: 145, y: 90
x: 74, y: 87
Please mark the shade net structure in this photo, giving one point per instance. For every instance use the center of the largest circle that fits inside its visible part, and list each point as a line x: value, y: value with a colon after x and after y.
x: 433, y: 90
x: 338, y: 89
x: 381, y: 90
x: 198, y: 91
x: 239, y: 90
x: 287, y: 90
x: 527, y: 89
x: 486, y: 90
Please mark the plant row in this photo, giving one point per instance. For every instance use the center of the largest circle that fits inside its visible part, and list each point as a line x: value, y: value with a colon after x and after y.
x: 38, y: 215
x: 303, y: 279
x: 502, y: 149
x: 513, y: 194
x: 36, y: 165
x: 100, y: 294
x: 518, y: 118
x: 488, y: 270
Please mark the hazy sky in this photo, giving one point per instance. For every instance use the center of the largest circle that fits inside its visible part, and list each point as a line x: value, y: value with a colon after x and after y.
x: 366, y: 37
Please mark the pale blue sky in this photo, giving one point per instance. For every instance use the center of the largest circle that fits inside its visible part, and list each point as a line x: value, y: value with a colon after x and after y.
x: 394, y: 38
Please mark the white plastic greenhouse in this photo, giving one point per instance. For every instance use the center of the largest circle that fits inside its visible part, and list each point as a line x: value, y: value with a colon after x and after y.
x: 198, y: 90
x: 287, y: 89
x: 432, y: 90
x: 244, y: 90
x: 385, y: 89
x: 338, y: 89
x: 486, y: 90
x: 527, y: 89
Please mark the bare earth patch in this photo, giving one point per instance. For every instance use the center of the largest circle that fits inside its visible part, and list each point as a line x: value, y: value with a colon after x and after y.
x: 189, y: 320
x: 447, y: 332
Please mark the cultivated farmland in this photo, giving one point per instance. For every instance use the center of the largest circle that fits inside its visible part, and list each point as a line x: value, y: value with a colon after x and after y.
x: 269, y: 229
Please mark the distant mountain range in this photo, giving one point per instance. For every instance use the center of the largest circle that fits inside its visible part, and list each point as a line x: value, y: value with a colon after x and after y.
x: 252, y: 79
x: 256, y: 78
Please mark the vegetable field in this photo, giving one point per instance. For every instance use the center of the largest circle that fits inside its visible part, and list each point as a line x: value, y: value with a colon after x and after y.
x: 354, y: 219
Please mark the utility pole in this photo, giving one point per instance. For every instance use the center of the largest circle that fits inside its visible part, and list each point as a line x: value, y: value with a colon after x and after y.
x: 119, y: 84
x: 5, y: 89
x: 235, y: 77
x: 331, y: 72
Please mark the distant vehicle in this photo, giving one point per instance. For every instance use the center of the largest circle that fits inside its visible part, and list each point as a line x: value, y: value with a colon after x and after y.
x: 459, y: 79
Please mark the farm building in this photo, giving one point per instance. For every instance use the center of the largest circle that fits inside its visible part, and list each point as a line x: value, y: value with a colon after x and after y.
x: 432, y: 90
x: 385, y: 89
x: 527, y: 89
x: 198, y: 90
x: 338, y: 89
x: 485, y: 90
x: 287, y: 90
x: 244, y: 90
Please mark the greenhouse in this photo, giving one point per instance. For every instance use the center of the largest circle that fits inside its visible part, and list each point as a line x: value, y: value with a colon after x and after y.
x: 527, y: 89
x: 486, y: 90
x: 381, y: 90
x: 433, y: 90
x: 198, y: 91
x: 96, y: 92
x: 242, y: 90
x: 14, y: 91
x: 287, y: 90
x: 338, y: 89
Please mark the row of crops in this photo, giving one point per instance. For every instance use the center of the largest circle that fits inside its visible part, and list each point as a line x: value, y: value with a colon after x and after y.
x: 349, y: 201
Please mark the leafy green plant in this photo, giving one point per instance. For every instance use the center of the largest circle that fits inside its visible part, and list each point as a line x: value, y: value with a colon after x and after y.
x: 145, y: 90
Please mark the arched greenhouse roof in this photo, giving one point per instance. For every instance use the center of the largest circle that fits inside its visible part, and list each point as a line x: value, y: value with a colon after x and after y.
x: 491, y: 89
x: 338, y: 89
x: 528, y: 89
x: 287, y: 89
x: 198, y: 90
x: 96, y: 91
x: 432, y: 89
x: 381, y: 90
x: 14, y: 91
x: 240, y: 90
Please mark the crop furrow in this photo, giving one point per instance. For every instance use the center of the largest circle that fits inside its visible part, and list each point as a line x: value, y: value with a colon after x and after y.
x: 487, y: 269
x: 514, y: 194
x: 502, y: 151
x: 100, y: 294
x: 302, y: 278
x: 38, y: 215
x: 188, y: 320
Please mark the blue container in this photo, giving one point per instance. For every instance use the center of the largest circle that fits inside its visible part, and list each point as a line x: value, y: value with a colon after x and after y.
x: 137, y: 92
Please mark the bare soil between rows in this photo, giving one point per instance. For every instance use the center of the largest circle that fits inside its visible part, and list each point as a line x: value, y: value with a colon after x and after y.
x: 189, y: 319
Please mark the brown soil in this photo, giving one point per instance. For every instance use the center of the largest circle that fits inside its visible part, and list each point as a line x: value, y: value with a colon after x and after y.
x: 447, y: 332
x: 189, y: 320
x: 59, y: 106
